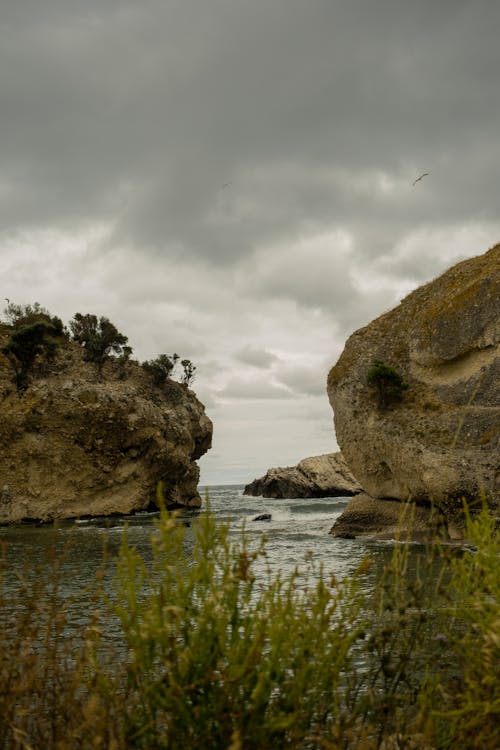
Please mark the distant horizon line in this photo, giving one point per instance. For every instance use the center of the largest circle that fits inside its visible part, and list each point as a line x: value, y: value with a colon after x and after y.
x: 222, y: 484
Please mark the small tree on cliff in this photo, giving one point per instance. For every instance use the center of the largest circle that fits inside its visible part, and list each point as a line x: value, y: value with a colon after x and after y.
x: 161, y: 368
x: 189, y: 372
x: 388, y: 383
x: 29, y: 343
x: 99, y: 337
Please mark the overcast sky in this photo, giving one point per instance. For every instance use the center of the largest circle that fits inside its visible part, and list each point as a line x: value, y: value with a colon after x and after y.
x: 232, y: 180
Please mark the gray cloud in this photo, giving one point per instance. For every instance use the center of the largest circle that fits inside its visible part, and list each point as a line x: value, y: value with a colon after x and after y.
x: 251, y: 389
x: 260, y: 358
x: 145, y: 111
x: 309, y: 381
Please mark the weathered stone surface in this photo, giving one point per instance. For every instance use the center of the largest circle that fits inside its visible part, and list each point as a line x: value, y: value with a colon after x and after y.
x: 441, y: 442
x: 389, y: 519
x: 318, y: 476
x: 76, y: 443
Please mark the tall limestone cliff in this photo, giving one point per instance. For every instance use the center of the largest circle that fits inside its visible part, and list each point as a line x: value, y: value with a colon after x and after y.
x: 82, y: 440
x: 438, y: 440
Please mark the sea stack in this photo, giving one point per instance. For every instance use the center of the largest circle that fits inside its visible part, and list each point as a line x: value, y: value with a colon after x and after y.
x: 429, y: 432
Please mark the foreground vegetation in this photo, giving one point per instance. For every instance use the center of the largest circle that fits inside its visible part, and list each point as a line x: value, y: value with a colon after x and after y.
x: 215, y: 654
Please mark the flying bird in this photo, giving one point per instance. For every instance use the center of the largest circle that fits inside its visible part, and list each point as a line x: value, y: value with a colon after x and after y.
x: 7, y: 300
x: 420, y: 178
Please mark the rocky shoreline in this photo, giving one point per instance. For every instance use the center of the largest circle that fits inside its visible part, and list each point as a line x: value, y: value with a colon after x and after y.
x: 414, y: 396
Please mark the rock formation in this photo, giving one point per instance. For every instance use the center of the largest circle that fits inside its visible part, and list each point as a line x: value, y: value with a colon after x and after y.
x: 82, y: 442
x: 387, y: 519
x: 262, y: 517
x: 318, y: 476
x: 437, y: 441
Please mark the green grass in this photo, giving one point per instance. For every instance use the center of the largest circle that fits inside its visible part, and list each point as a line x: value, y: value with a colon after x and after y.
x: 213, y: 655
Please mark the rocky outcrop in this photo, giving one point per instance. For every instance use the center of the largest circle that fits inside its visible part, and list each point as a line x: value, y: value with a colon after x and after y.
x: 318, y: 476
x: 78, y: 442
x: 440, y: 441
x: 389, y: 519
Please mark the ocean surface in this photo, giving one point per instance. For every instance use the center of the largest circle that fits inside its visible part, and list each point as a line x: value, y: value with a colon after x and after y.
x: 297, y: 529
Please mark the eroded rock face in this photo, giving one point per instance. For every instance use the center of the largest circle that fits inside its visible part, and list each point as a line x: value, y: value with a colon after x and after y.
x: 441, y: 442
x: 318, y: 476
x: 76, y: 443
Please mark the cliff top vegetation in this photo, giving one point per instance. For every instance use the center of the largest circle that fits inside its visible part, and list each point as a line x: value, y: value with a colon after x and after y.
x: 30, y: 338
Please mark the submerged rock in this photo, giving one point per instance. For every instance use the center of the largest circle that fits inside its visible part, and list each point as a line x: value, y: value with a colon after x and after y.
x: 78, y: 442
x: 438, y: 440
x: 318, y: 476
x: 262, y: 517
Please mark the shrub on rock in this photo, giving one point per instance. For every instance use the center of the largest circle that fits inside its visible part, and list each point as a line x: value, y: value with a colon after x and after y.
x: 99, y: 337
x: 388, y: 383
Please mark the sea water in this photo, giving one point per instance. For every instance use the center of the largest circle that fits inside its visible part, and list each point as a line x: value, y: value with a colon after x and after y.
x: 298, y: 529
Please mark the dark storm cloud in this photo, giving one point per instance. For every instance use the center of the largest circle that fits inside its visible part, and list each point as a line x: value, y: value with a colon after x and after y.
x: 142, y: 113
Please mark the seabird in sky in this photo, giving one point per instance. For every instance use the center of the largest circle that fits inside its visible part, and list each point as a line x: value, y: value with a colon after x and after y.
x: 420, y: 178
